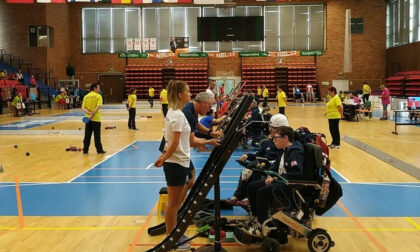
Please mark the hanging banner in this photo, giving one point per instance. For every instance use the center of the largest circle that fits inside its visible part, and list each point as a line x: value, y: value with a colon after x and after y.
x: 162, y: 55
x: 152, y: 44
x: 221, y: 55
x: 137, y: 44
x: 253, y: 54
x: 145, y: 44
x: 132, y: 55
x: 284, y: 54
x: 312, y: 53
x: 129, y: 44
x: 193, y: 55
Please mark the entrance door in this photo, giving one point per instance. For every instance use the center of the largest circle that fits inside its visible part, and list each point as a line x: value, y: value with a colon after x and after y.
x: 112, y: 86
x: 229, y: 85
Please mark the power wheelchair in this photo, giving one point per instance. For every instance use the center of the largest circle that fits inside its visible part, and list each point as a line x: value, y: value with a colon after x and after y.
x: 306, y: 199
x: 256, y: 130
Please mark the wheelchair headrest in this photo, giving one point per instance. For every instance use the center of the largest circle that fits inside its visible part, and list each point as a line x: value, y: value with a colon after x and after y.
x: 313, y: 161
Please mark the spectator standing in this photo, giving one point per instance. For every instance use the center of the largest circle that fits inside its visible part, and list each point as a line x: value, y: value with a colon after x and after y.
x: 334, y: 115
x: 265, y: 96
x: 385, y: 97
x: 151, y: 95
x: 366, y: 92
x: 164, y: 100
x: 282, y: 100
x: 132, y: 98
x: 210, y: 91
x: 33, y: 82
x: 91, y: 105
x: 309, y: 93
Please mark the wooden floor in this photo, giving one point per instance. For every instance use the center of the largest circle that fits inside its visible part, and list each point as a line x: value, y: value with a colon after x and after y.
x: 49, y: 162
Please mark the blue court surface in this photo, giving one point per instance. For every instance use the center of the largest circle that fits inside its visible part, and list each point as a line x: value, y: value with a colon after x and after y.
x: 26, y: 124
x: 122, y: 185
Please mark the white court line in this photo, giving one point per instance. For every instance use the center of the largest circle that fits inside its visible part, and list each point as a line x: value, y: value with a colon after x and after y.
x: 145, y: 176
x: 155, y: 168
x: 384, y: 184
x: 108, y: 157
x: 386, y: 139
x: 341, y: 175
x: 115, y: 182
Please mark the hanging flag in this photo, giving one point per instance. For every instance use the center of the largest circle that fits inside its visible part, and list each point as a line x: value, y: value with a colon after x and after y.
x: 117, y: 1
x: 51, y: 1
x: 137, y: 44
x: 209, y: 1
x: 84, y: 1
x: 152, y: 43
x: 146, y: 1
x: 129, y: 44
x: 19, y: 1
x: 145, y: 44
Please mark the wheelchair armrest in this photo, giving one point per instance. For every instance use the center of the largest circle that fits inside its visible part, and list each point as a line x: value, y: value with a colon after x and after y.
x: 276, y: 175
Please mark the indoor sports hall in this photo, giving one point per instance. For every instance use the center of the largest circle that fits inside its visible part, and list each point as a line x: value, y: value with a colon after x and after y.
x: 58, y: 195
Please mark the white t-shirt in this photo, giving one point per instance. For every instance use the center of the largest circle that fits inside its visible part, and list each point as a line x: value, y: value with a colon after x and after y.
x: 177, y: 122
x: 208, y: 90
x: 282, y: 170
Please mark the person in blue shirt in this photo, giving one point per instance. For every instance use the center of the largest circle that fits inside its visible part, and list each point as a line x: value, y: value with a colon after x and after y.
x: 208, y: 121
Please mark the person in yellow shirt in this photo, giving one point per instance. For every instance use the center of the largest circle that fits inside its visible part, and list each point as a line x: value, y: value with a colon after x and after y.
x: 282, y: 99
x: 259, y: 93
x: 334, y: 115
x: 151, y: 95
x: 164, y: 100
x: 131, y: 102
x: 265, y: 96
x: 366, y: 92
x: 91, y: 105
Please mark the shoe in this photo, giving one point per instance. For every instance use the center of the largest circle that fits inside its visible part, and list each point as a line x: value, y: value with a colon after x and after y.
x: 185, y: 246
x: 136, y: 129
x: 101, y: 152
x: 85, y: 152
x: 250, y: 222
x: 336, y: 147
x: 254, y: 230
x: 243, y: 203
x: 232, y: 201
x: 331, y: 146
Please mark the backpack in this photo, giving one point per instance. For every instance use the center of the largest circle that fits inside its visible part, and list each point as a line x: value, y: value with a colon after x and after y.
x: 334, y: 194
x: 304, y: 135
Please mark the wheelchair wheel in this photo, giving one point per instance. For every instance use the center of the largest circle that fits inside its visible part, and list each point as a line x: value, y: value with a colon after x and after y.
x: 245, y: 147
x: 319, y: 241
x: 270, y: 245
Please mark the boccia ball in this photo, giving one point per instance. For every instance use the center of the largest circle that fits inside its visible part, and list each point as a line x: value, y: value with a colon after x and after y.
x: 16, y: 146
x: 27, y: 154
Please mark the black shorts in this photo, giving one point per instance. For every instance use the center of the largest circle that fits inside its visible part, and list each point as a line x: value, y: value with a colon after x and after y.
x: 175, y: 174
x: 190, y: 169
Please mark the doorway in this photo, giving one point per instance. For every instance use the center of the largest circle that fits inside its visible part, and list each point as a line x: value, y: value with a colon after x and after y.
x: 112, y: 86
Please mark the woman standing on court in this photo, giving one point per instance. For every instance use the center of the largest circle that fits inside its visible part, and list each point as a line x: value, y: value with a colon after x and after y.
x: 176, y: 155
x: 334, y: 115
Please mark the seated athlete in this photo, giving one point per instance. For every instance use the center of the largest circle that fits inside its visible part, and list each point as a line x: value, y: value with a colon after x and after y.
x: 267, y: 150
x: 289, y: 165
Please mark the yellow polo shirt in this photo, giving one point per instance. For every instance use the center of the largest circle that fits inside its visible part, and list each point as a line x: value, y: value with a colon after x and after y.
x: 281, y: 96
x: 151, y: 92
x: 366, y: 89
x: 259, y: 91
x: 164, y: 96
x: 265, y: 93
x: 91, y: 101
x: 332, y: 110
x: 132, y: 100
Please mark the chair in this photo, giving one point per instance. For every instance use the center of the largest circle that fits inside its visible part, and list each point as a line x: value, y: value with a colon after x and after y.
x: 366, y: 109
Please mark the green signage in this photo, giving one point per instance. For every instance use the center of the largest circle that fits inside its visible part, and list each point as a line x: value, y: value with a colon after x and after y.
x: 132, y: 55
x: 311, y: 53
x: 253, y: 54
x: 193, y: 55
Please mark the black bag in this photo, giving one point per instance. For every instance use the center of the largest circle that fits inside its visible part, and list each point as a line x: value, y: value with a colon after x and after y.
x: 335, y: 193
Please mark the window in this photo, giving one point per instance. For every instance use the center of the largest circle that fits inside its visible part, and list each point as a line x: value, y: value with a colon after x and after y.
x: 104, y: 30
x: 294, y: 27
x: 164, y: 23
x: 402, y: 22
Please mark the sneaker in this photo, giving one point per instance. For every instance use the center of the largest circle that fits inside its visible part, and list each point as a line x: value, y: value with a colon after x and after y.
x: 232, y: 201
x: 136, y: 129
x: 254, y: 230
x: 185, y: 246
x: 251, y: 221
x: 85, y: 153
x: 101, y: 152
x: 337, y: 147
x: 243, y: 203
x: 331, y: 146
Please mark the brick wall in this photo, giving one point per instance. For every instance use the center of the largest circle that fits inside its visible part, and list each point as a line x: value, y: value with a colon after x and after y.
x: 368, y: 49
